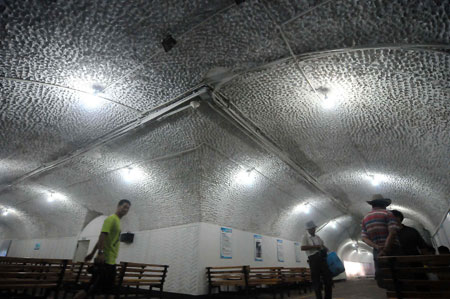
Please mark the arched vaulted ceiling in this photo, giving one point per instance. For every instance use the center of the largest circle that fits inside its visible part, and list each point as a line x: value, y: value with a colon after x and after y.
x: 272, y: 63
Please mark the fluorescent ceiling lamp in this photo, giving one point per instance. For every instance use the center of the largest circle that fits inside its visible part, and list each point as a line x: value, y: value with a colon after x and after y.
x: 304, y: 207
x: 329, y: 102
x: 131, y: 174
x: 55, y: 196
x: 333, y: 224
x: 376, y: 179
x: 332, y: 95
x: 245, y: 177
x: 90, y: 94
x: 91, y: 101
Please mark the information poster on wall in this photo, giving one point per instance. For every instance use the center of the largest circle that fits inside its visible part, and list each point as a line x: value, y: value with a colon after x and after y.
x: 280, y: 252
x: 4, y: 247
x: 258, y: 248
x: 37, y: 246
x: 225, y: 243
x: 297, y: 252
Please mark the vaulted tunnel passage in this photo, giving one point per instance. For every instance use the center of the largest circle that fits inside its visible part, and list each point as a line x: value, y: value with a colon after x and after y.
x: 262, y: 116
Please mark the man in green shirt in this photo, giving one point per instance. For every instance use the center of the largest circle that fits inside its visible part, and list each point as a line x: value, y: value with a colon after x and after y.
x: 104, y: 270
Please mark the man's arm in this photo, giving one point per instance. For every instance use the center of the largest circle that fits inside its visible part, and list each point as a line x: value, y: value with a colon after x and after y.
x: 423, y: 246
x: 310, y: 247
x: 305, y: 245
x: 393, y: 228
x: 98, y: 246
x: 370, y: 243
x: 389, y: 241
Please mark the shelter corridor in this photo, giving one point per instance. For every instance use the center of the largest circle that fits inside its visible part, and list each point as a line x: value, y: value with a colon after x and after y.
x: 224, y: 149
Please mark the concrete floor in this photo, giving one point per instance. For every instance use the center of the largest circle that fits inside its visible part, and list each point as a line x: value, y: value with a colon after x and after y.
x: 350, y: 289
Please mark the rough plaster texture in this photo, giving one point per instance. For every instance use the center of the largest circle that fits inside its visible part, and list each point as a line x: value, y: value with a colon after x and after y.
x: 392, y: 116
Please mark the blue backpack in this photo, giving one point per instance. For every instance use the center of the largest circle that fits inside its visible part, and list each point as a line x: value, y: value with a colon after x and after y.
x: 335, y: 264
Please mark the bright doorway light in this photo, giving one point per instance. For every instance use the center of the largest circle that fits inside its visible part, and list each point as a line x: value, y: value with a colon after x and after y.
x: 131, y: 175
x: 245, y: 177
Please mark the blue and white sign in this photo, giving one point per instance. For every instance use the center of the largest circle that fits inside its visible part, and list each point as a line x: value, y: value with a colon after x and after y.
x: 280, y: 251
x: 258, y: 248
x: 297, y: 252
x: 225, y: 243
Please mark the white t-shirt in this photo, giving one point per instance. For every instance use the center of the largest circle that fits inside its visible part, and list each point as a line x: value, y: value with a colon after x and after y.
x: 309, y: 240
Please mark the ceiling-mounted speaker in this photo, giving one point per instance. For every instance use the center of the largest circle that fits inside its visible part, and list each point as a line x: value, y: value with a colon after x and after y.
x: 168, y: 43
x: 127, y: 238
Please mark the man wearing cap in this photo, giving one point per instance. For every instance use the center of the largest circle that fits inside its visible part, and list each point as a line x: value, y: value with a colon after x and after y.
x: 379, y: 231
x: 317, y: 259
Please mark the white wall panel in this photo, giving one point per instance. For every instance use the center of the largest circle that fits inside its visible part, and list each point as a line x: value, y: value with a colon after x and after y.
x: 63, y: 248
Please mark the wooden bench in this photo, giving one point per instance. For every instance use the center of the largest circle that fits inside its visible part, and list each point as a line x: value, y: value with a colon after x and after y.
x: 76, y: 277
x: 295, y: 277
x: 266, y: 279
x: 31, y: 277
x: 39, y: 277
x: 132, y: 276
x: 231, y: 276
x: 416, y: 276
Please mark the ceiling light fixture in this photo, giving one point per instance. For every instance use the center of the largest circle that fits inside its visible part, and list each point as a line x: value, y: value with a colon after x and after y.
x: 131, y: 174
x: 90, y: 94
x: 375, y: 180
x: 329, y: 102
x: 333, y: 224
x: 304, y: 207
x: 50, y: 198
x: 5, y: 212
x: 245, y: 177
x: 91, y: 99
x: 307, y: 208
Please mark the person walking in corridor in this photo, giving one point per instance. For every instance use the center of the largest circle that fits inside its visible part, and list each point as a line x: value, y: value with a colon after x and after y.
x: 379, y: 230
x: 104, y: 269
x: 317, y: 259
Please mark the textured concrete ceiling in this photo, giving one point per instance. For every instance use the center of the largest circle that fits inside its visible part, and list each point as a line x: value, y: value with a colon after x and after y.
x: 387, y: 61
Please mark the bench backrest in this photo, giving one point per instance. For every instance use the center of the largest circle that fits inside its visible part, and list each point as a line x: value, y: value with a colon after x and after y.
x: 231, y: 275
x: 32, y: 273
x: 265, y: 275
x: 416, y: 276
x: 296, y: 274
x: 77, y: 273
x: 137, y: 274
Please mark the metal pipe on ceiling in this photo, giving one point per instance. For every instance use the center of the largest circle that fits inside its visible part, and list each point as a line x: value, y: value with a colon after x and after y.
x: 221, y: 104
x: 141, y: 121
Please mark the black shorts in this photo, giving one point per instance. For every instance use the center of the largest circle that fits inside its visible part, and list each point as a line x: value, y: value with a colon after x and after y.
x: 103, y: 279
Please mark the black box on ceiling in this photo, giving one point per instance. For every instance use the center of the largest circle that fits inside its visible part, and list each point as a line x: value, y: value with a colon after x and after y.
x: 127, y: 237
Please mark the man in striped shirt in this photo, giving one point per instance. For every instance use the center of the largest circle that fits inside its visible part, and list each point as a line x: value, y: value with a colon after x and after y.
x: 379, y: 231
